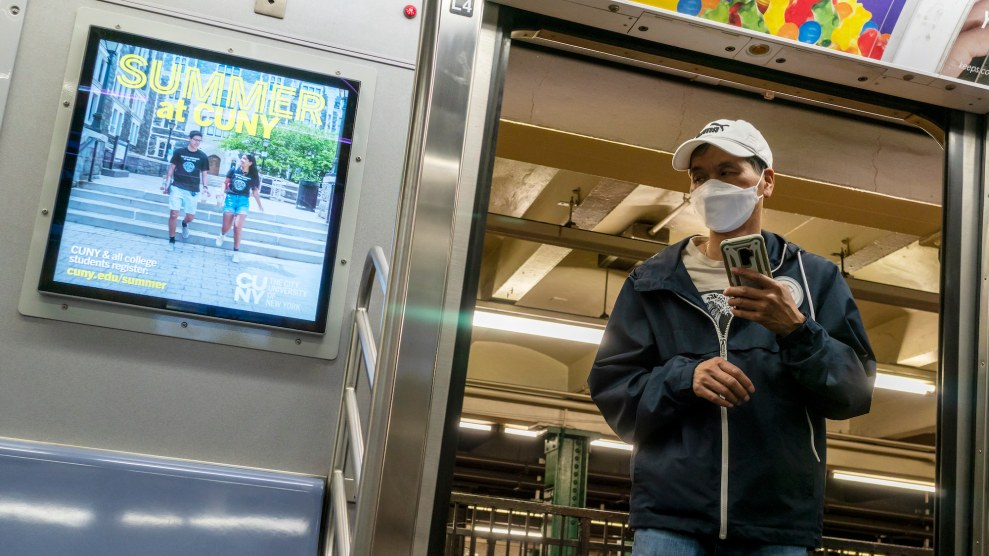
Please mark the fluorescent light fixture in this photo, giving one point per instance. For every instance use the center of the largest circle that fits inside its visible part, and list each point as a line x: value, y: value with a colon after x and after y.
x: 522, y: 431
x: 505, y: 531
x: 475, y: 425
x: 501, y: 511
x: 895, y: 482
x: 612, y: 444
x: 609, y: 523
x: 537, y: 327
x: 902, y: 383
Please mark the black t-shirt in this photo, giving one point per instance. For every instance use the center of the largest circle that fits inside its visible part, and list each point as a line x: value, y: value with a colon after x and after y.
x: 241, y: 183
x: 188, y: 167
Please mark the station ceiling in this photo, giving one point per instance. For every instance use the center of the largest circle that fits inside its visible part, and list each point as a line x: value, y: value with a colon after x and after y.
x: 584, y: 147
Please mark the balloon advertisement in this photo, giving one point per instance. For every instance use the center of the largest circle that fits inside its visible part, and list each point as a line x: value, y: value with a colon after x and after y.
x: 860, y: 27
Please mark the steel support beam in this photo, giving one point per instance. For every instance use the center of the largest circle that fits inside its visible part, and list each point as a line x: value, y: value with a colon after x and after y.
x: 565, y: 481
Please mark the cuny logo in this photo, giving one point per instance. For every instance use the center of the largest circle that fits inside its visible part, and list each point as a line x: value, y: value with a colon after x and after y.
x: 250, y: 287
x: 713, y: 128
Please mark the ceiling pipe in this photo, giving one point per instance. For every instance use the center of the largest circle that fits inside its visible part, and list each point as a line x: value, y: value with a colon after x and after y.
x: 669, y: 217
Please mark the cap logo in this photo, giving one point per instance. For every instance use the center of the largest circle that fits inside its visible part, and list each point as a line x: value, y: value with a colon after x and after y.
x: 713, y: 128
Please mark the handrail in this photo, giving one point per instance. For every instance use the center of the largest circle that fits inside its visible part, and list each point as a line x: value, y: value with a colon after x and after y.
x: 356, y: 438
x: 340, y: 514
x: 375, y: 265
x: 368, y: 349
x: 349, y: 435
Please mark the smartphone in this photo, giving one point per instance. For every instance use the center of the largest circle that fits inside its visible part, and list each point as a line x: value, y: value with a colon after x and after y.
x: 745, y: 252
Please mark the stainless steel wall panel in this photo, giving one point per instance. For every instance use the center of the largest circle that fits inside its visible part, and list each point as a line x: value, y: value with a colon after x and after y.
x: 120, y: 390
x: 375, y: 30
x: 11, y: 23
x: 395, y: 500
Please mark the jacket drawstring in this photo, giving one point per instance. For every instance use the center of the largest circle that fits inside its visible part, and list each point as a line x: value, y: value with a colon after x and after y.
x: 782, y: 259
x: 810, y: 300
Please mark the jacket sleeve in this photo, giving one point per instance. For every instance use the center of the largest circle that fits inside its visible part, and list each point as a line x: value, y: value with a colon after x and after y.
x: 635, y: 391
x: 830, y: 355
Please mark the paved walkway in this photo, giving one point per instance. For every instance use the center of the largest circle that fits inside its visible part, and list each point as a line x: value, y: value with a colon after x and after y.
x: 121, y: 261
x: 140, y: 182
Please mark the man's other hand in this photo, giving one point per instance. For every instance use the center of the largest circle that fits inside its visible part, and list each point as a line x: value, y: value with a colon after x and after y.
x: 770, y: 303
x: 721, y: 383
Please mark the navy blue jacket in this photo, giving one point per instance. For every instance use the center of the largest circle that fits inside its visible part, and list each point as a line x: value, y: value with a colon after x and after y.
x: 754, y: 472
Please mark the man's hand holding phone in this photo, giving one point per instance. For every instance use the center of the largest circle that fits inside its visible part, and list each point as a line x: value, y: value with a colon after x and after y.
x: 721, y: 383
x: 768, y: 302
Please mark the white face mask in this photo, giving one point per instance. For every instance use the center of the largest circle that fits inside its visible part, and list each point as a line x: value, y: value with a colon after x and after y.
x: 724, y: 207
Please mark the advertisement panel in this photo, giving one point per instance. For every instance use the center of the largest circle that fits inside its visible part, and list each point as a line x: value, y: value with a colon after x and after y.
x: 966, y: 55
x: 199, y: 182
x: 859, y: 27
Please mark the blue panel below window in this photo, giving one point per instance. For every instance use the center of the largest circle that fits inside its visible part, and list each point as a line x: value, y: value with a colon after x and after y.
x: 63, y: 500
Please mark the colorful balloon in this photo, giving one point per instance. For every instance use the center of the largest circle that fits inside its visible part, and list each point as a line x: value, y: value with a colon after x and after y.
x: 733, y: 17
x: 870, y: 25
x: 665, y: 4
x: 709, y: 4
x: 750, y: 16
x: 775, y: 15
x: 827, y: 17
x: 844, y: 9
x: 689, y: 7
x: 847, y: 32
x: 872, y: 44
x: 799, y: 11
x: 718, y: 13
x: 789, y: 31
x: 810, y: 32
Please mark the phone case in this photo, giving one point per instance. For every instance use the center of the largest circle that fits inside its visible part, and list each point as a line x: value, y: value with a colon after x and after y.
x: 745, y: 252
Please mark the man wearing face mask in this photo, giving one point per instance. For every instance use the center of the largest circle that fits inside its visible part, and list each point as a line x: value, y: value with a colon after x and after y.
x: 723, y: 390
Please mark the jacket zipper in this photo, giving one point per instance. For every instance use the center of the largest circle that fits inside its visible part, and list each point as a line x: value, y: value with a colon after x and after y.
x: 723, y: 351
x: 810, y: 424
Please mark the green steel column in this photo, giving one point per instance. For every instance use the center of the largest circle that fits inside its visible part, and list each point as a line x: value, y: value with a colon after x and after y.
x: 565, y: 481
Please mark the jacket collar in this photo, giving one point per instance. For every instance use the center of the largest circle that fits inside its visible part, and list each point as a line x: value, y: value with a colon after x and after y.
x: 665, y: 270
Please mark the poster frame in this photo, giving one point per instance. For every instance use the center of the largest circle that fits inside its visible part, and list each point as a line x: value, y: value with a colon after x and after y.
x: 179, y: 324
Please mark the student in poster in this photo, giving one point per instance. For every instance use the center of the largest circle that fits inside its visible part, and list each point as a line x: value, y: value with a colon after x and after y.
x: 240, y: 185
x: 186, y: 176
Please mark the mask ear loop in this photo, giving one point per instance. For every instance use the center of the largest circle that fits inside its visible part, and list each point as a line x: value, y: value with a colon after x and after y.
x: 762, y: 176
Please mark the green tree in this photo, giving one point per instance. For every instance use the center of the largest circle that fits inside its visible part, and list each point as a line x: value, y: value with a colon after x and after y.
x: 295, y: 152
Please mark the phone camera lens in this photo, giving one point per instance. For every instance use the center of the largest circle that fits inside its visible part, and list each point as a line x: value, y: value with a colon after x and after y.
x: 746, y: 256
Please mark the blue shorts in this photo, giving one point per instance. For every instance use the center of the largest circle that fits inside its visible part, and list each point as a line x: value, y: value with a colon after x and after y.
x: 182, y: 199
x: 237, y: 204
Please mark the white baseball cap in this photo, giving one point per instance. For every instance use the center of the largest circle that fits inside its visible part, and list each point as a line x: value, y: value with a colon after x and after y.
x: 735, y: 137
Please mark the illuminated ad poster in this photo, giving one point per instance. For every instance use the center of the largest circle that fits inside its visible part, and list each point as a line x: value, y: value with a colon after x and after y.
x: 860, y: 27
x: 966, y: 56
x: 169, y: 140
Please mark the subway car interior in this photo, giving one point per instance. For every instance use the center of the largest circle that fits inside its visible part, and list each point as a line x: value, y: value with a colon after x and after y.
x: 445, y: 408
